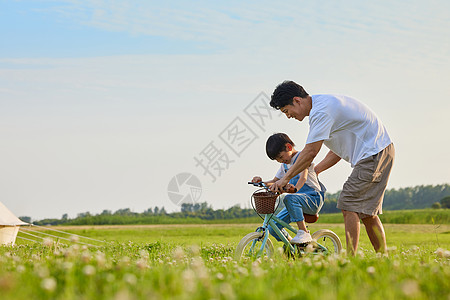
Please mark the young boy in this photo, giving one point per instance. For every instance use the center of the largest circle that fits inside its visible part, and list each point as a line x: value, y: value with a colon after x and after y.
x: 310, y: 192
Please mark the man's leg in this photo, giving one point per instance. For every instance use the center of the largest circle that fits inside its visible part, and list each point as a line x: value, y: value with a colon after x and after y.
x: 375, y: 231
x: 351, y: 221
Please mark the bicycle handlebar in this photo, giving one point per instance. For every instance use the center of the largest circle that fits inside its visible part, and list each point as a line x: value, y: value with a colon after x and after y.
x: 293, y: 189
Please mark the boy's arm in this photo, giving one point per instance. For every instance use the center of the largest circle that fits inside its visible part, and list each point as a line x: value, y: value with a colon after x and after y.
x: 301, y: 181
x: 268, y: 182
x: 330, y: 160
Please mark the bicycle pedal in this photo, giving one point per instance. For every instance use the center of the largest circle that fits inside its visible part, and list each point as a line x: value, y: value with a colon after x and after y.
x: 302, y: 245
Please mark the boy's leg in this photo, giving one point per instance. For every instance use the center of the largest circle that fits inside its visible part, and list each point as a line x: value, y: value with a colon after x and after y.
x: 352, y: 228
x: 375, y: 231
x: 302, y: 225
x: 296, y: 204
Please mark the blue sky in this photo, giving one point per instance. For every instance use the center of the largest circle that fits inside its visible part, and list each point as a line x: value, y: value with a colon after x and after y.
x: 102, y: 103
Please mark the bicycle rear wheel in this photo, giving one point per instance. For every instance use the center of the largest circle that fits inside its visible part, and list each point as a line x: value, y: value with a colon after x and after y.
x: 250, y: 246
x: 329, y: 241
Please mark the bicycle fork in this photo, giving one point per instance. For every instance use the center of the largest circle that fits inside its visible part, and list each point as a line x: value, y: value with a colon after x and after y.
x: 265, y: 229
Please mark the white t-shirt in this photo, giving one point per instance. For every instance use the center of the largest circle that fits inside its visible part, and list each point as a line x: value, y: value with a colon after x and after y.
x: 311, y: 179
x: 347, y: 127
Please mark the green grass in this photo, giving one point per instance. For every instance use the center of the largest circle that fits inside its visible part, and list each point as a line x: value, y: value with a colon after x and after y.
x: 195, y: 262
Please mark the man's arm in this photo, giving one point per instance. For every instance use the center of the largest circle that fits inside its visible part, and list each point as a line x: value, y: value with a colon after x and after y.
x: 303, y: 161
x: 330, y: 160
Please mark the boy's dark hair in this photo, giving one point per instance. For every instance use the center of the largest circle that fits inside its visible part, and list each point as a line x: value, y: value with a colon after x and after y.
x: 276, y: 143
x: 285, y: 92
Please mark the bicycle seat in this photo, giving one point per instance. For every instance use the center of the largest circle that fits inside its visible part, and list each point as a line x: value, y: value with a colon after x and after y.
x: 311, y: 218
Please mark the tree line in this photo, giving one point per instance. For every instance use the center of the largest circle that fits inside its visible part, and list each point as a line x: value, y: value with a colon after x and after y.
x: 423, y: 196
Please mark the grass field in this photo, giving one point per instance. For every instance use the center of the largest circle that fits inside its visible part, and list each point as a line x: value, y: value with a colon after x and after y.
x: 195, y: 262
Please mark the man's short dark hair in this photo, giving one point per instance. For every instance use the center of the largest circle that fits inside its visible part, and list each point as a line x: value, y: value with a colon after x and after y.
x: 276, y: 143
x: 285, y: 92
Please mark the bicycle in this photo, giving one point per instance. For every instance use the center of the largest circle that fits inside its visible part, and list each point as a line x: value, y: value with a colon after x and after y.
x: 257, y: 244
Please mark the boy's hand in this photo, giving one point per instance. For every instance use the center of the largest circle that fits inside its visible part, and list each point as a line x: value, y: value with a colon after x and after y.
x: 256, y: 179
x: 279, y: 185
x: 290, y: 188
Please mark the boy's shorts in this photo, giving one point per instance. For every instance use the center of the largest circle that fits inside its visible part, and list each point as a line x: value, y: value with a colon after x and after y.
x: 363, y: 191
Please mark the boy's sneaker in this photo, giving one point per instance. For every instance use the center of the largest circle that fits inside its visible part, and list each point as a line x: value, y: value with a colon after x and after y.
x: 301, y: 237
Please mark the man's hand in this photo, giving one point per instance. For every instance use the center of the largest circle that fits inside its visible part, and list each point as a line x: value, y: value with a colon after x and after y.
x: 279, y: 185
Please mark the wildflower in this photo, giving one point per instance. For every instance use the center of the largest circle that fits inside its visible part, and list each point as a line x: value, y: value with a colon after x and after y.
x: 371, y: 270
x: 309, y: 248
x: 141, y: 264
x: 143, y: 254
x: 20, y: 268
x: 67, y: 265
x: 415, y: 248
x: 124, y: 261
x: 74, y: 239
x: 227, y: 291
x: 48, y: 284
x: 242, y: 271
x: 101, y: 259
x: 396, y: 264
x: 280, y: 250
x: 89, y: 270
x: 442, y: 253
x: 220, y: 276
x: 178, y: 254
x: 85, y: 257
x: 130, y: 279
x: 74, y: 249
x: 410, y: 288
x: 47, y: 242
x: 257, y: 271
x: 189, y: 280
x: 195, y: 250
x: 392, y: 249
x: 110, y: 277
x: 42, y: 271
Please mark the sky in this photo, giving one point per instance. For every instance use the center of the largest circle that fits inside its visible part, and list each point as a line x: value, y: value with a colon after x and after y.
x: 106, y: 105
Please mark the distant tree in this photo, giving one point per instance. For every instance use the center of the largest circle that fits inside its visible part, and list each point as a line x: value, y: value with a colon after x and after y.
x: 436, y: 205
x: 65, y: 217
x: 25, y: 219
x: 106, y: 212
x: 163, y: 211
x: 123, y: 212
x: 84, y: 215
x: 187, y: 207
x: 445, y: 202
x: 156, y: 210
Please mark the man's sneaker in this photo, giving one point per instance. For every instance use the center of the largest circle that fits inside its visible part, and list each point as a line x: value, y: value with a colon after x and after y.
x: 301, y: 237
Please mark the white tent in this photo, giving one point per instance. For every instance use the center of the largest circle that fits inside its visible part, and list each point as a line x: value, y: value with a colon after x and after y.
x: 9, y: 226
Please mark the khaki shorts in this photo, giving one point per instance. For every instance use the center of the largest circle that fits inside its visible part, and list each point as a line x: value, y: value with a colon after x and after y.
x: 363, y: 191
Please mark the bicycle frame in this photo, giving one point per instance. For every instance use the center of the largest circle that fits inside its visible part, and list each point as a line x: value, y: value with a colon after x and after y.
x: 270, y: 219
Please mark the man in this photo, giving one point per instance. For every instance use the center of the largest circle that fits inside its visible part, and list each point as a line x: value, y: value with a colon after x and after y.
x: 354, y: 133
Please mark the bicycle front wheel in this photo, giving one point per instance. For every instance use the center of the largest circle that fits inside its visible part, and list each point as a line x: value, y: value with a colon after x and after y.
x: 251, y: 244
x: 329, y: 241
